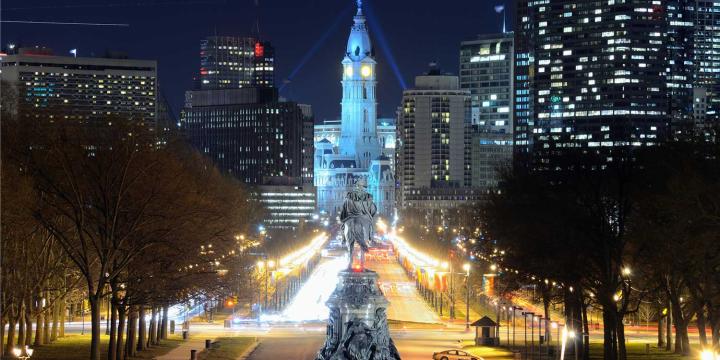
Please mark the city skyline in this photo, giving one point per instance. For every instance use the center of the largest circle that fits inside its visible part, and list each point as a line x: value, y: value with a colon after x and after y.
x: 161, y: 32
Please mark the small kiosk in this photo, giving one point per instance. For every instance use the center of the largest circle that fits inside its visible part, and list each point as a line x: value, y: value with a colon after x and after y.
x: 486, y: 332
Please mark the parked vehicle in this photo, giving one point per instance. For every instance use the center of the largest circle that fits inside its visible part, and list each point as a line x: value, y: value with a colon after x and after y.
x: 453, y: 355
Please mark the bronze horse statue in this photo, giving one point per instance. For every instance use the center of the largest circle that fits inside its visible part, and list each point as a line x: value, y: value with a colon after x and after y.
x: 357, y: 216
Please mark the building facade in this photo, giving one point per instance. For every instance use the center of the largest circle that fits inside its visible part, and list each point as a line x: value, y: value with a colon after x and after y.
x: 330, y: 130
x: 486, y: 70
x: 248, y: 132
x: 287, y: 206
x: 232, y: 62
x: 595, y: 76
x: 433, y: 153
x: 81, y: 89
x: 356, y: 153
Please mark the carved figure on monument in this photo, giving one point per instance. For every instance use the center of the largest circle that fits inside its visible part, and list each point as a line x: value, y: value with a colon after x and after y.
x: 385, y: 345
x: 357, y: 216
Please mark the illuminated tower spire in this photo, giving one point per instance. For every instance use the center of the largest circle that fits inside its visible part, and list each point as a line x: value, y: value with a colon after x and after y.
x: 359, y: 115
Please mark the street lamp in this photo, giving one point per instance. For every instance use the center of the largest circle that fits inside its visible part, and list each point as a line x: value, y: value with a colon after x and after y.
x: 261, y: 265
x: 626, y: 271
x: 466, y: 267
x: 532, y: 316
x: 514, y: 308
x: 709, y: 354
x: 556, y: 325
x: 24, y: 353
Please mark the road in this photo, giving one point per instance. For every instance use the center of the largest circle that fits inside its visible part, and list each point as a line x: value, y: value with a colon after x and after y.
x: 303, y: 343
x: 414, y: 341
x: 405, y: 302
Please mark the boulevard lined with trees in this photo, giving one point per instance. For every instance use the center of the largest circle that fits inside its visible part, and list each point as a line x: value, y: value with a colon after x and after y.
x: 641, y: 233
x: 91, y: 213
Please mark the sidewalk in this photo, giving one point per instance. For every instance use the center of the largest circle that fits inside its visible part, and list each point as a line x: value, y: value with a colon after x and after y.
x: 182, y: 352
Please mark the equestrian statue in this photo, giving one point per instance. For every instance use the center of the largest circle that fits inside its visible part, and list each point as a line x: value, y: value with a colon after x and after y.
x: 357, y: 217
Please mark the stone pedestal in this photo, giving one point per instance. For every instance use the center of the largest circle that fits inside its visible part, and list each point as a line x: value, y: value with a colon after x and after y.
x: 357, y: 327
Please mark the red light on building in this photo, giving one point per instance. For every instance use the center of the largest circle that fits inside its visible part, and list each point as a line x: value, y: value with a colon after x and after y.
x: 259, y: 50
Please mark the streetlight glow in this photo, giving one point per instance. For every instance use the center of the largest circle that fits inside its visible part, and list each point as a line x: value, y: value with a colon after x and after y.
x: 709, y: 354
x: 466, y: 267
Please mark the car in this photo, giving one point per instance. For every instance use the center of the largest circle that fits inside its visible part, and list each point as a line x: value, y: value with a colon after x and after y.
x: 453, y: 355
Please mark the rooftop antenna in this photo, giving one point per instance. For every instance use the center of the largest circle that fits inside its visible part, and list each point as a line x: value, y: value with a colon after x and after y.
x: 257, y: 20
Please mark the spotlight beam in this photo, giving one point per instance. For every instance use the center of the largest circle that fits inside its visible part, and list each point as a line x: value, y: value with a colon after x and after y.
x: 380, y: 37
x: 314, y: 49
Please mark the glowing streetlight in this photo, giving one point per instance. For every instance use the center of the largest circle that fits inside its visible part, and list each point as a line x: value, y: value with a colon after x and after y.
x: 260, y: 264
x: 709, y: 354
x: 493, y: 267
x: 626, y: 271
x: 23, y: 353
x: 466, y: 267
x: 445, y: 265
x: 271, y: 264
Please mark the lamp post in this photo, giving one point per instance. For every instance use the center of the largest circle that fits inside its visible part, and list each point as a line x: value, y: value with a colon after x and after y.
x: 514, y: 308
x: 22, y: 353
x: 82, y: 316
x: 466, y: 267
x: 555, y: 325
x: 264, y: 266
x: 540, y: 333
x: 506, y: 310
x: 532, y: 331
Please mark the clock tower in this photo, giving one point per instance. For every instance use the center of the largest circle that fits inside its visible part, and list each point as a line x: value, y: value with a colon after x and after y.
x: 358, y: 135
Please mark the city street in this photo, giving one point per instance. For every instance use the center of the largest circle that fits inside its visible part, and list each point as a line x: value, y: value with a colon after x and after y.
x: 405, y: 302
x: 413, y: 340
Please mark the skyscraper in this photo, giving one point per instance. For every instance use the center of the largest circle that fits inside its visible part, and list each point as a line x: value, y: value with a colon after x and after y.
x: 358, y: 153
x: 433, y: 168
x: 236, y: 118
x: 705, y: 16
x: 595, y: 73
x: 486, y: 70
x: 231, y: 62
x: 247, y: 132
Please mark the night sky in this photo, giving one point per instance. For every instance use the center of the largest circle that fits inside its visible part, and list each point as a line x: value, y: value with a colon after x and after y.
x: 169, y: 31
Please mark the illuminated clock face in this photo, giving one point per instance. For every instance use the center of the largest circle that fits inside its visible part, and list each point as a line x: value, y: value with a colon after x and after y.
x: 365, y: 71
x: 348, y: 71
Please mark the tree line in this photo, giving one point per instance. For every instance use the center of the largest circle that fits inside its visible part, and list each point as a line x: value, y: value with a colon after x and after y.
x: 638, y: 230
x: 97, y: 210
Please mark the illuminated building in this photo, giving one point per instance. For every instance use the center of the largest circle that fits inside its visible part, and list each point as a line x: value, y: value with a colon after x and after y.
x: 237, y: 119
x: 231, y: 62
x: 82, y: 89
x: 330, y: 130
x: 248, y: 132
x: 706, y: 58
x: 356, y: 153
x: 486, y: 70
x: 287, y: 206
x: 264, y: 64
x: 433, y: 153
x: 593, y: 74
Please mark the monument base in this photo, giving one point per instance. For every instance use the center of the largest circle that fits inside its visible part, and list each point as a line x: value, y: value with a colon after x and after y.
x: 357, y: 327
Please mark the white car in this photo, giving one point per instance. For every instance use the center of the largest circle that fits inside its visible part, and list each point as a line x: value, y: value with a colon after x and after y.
x: 453, y: 355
